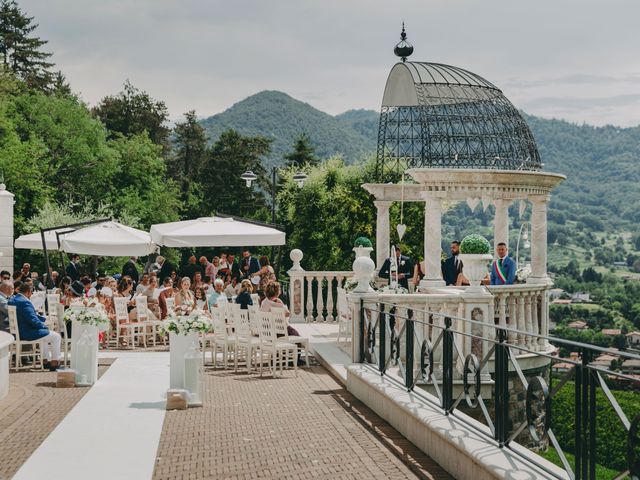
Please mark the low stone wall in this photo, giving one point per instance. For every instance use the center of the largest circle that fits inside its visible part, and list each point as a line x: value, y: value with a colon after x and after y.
x: 462, y: 451
x: 6, y: 339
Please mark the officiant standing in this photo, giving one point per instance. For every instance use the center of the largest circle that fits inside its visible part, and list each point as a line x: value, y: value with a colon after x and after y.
x: 404, y: 265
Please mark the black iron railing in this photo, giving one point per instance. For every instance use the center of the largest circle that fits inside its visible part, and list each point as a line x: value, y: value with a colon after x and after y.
x: 427, y: 353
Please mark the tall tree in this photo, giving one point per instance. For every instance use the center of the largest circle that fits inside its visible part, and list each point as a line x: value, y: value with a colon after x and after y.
x: 190, y: 155
x: 224, y: 190
x: 132, y: 112
x: 20, y: 50
x: 303, y: 153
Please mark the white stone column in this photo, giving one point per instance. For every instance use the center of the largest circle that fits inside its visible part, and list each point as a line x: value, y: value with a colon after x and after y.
x: 6, y: 229
x: 432, y: 243
x: 383, y: 236
x: 501, y: 223
x: 539, y: 239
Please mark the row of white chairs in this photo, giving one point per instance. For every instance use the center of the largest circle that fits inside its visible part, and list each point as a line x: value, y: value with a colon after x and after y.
x: 253, y: 337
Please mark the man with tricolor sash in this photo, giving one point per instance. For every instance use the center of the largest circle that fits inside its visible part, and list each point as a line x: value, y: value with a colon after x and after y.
x: 503, y: 268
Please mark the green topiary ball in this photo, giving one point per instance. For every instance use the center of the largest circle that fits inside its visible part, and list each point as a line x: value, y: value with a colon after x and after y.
x: 475, y: 244
x: 362, y: 242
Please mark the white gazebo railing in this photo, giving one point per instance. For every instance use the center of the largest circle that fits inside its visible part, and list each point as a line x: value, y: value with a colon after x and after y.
x: 313, y: 296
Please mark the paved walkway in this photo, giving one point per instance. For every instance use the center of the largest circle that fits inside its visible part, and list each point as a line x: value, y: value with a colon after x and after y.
x: 284, y: 427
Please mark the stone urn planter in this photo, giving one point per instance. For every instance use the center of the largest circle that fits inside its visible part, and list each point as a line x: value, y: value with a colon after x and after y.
x: 363, y: 251
x: 475, y: 269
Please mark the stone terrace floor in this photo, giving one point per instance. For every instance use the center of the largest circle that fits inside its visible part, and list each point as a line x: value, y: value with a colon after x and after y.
x: 284, y: 427
x: 307, y: 426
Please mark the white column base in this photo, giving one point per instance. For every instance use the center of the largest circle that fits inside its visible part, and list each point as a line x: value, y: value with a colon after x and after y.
x: 540, y: 281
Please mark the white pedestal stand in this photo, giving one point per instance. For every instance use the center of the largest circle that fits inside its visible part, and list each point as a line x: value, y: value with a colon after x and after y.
x: 178, y: 346
x: 84, y: 353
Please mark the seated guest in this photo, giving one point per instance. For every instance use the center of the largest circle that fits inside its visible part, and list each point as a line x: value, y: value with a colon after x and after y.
x: 144, y: 283
x: 16, y: 286
x: 224, y: 265
x: 6, y: 290
x: 265, y: 275
x: 185, y: 300
x: 230, y: 286
x: 201, y: 299
x: 167, y: 292
x: 197, y: 281
x: 244, y: 297
x: 207, y: 284
x: 217, y: 294
x: 5, y: 275
x: 32, y: 327
x: 272, y: 300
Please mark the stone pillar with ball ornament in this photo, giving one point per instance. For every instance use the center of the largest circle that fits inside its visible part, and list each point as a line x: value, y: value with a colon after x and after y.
x: 296, y: 287
x: 6, y: 227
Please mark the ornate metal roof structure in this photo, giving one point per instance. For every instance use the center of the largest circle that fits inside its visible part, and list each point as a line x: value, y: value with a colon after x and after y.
x: 441, y: 116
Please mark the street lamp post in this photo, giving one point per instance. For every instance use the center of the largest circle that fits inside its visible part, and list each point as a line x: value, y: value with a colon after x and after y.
x: 525, y: 237
x: 249, y: 177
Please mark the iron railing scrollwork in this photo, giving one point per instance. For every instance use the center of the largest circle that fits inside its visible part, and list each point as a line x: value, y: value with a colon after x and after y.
x: 408, y: 345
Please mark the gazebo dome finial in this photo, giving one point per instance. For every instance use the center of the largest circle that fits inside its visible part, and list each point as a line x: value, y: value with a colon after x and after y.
x: 403, y: 48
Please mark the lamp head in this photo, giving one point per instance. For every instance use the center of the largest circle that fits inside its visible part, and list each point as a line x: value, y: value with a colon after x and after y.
x: 249, y: 177
x: 300, y: 178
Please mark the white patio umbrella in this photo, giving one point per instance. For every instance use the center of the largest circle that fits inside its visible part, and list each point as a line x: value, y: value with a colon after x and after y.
x: 33, y: 241
x: 215, y: 232
x: 109, y: 239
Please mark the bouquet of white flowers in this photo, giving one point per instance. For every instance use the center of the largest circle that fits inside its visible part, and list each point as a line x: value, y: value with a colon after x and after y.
x: 94, y: 315
x: 523, y: 273
x: 196, y: 322
x: 394, y: 289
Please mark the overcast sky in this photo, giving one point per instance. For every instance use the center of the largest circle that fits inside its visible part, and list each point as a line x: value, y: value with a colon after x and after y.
x: 573, y: 59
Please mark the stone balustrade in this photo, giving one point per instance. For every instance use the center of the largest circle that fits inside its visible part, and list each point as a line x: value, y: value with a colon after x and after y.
x: 313, y: 295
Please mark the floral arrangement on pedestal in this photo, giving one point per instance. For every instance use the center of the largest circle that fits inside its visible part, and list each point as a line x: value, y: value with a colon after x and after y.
x: 197, y: 322
x: 94, y: 315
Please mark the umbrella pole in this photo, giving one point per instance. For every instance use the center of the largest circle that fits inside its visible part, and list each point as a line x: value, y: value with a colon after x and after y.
x: 46, y: 261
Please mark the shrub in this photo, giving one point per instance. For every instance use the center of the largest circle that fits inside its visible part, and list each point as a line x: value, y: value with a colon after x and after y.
x: 475, y: 244
x: 362, y: 242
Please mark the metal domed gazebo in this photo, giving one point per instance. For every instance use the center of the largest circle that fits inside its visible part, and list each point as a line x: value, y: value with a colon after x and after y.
x: 436, y: 115
x: 460, y: 139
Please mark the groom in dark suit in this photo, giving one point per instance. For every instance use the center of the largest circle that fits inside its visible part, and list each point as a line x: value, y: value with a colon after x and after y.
x: 452, y: 266
x: 405, y: 268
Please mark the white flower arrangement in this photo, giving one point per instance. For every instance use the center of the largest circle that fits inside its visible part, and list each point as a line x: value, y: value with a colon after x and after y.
x: 93, y: 315
x: 351, y: 283
x: 196, y: 322
x: 523, y: 273
x: 393, y: 289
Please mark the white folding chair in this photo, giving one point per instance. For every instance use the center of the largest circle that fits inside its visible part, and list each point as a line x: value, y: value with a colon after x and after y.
x: 18, y: 344
x: 62, y: 330
x: 144, y: 315
x: 53, y: 300
x: 222, y: 338
x: 280, y: 322
x: 279, y: 354
x: 122, y: 321
x: 245, y: 342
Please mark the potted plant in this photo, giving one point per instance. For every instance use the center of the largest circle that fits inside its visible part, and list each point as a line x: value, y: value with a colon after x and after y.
x: 475, y: 254
x: 362, y: 247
